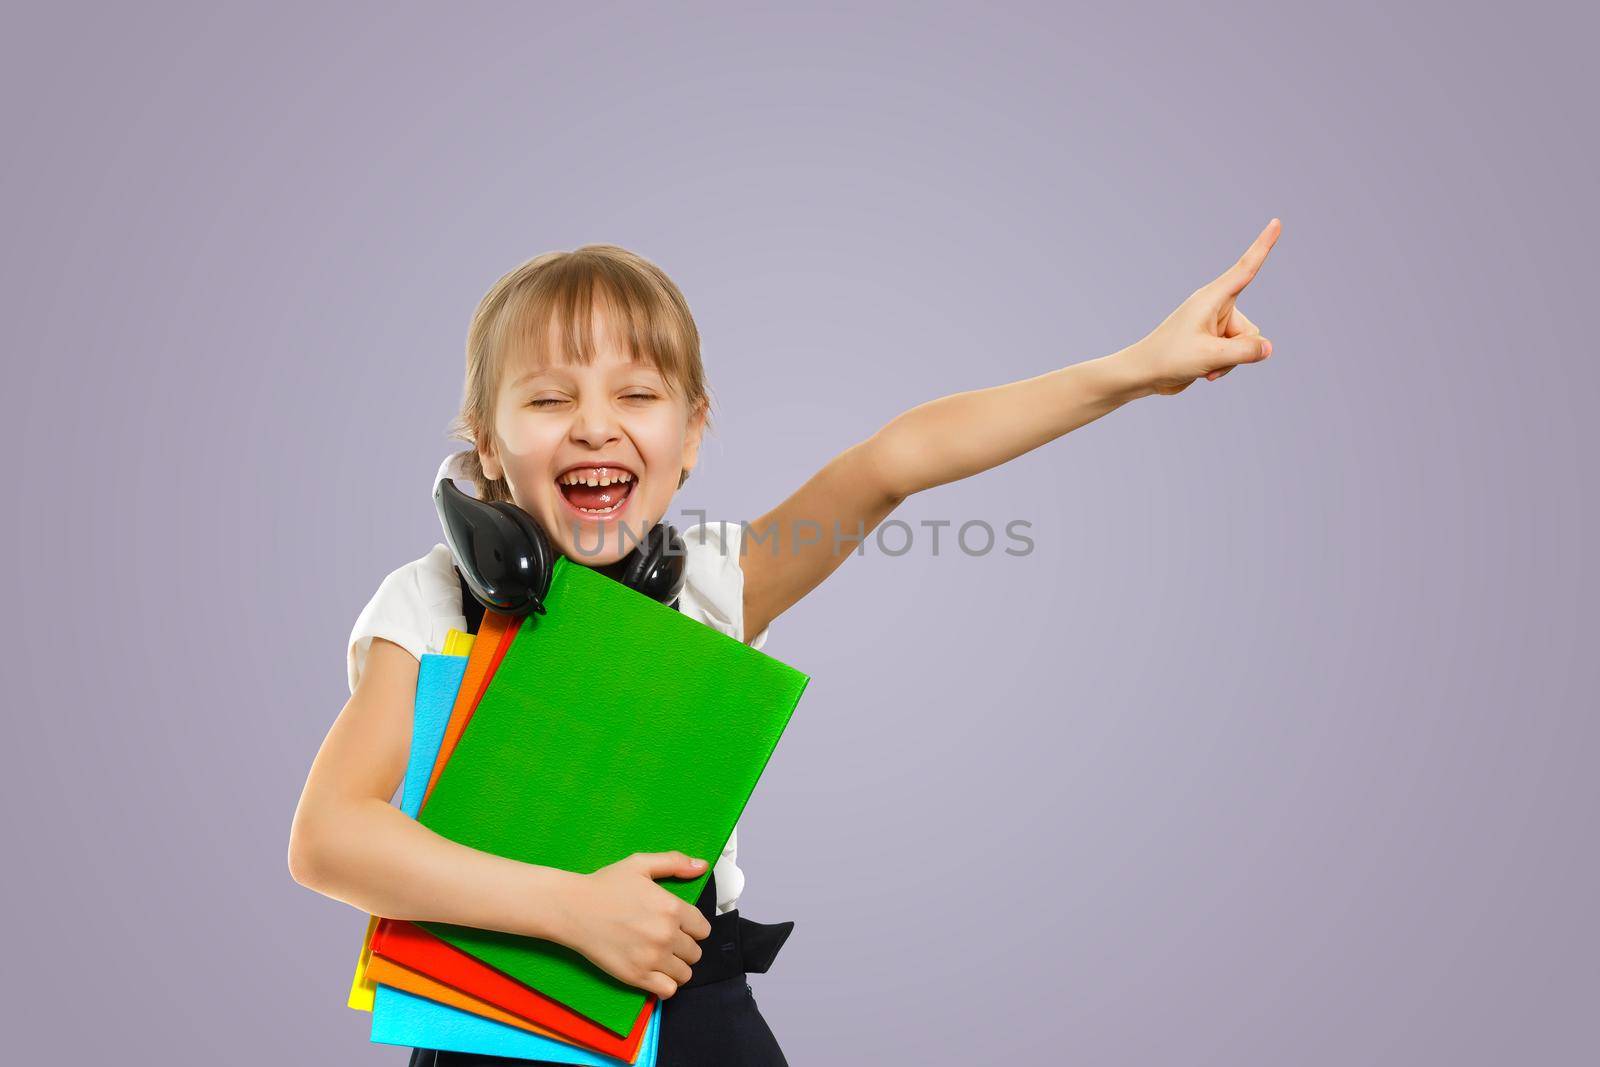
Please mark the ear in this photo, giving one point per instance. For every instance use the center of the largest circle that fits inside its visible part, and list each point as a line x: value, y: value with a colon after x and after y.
x: 488, y: 459
x: 692, y: 438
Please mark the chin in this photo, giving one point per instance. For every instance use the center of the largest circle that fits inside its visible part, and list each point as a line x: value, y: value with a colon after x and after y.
x: 578, y: 538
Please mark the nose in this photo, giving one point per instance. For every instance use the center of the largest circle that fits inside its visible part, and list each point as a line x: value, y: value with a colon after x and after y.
x: 595, y: 422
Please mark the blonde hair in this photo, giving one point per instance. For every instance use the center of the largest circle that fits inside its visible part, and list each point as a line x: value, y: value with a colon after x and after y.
x: 555, y: 294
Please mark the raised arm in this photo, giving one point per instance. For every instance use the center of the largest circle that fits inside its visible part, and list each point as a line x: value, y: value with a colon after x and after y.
x: 792, y: 548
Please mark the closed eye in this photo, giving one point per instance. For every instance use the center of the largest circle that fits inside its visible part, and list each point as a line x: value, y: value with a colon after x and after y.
x: 546, y: 401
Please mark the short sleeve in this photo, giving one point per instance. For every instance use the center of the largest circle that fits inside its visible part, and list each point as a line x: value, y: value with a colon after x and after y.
x: 713, y: 586
x: 415, y: 606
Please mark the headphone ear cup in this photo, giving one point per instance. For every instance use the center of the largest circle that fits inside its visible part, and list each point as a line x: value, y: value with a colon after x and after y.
x: 505, y: 558
x: 656, y: 565
x: 533, y: 559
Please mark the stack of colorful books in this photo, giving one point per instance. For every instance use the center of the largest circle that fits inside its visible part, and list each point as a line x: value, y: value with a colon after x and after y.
x: 609, y: 725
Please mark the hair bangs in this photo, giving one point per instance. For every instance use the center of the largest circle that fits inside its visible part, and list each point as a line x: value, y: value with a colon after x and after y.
x: 570, y: 311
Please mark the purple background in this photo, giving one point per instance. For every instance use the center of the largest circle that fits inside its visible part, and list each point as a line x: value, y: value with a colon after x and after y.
x: 1273, y: 750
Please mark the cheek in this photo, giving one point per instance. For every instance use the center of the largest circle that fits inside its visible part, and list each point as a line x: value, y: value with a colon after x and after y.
x: 661, y: 439
x: 527, y: 441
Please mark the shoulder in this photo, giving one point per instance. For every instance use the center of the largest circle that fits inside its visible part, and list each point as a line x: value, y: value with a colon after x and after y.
x: 415, y: 606
x: 713, y: 584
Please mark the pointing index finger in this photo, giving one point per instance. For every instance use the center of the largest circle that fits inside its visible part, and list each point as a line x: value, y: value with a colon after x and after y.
x: 1236, y: 277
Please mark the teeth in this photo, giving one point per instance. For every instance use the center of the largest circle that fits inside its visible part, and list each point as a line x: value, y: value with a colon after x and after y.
x: 595, y: 476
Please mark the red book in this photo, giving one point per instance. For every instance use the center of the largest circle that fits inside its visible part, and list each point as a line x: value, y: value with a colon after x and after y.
x: 411, y: 946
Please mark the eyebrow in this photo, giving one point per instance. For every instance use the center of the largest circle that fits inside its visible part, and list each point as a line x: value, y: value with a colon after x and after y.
x: 536, y: 372
x: 554, y: 369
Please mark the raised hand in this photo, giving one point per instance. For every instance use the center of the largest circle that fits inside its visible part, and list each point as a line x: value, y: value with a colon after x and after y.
x: 1207, y: 336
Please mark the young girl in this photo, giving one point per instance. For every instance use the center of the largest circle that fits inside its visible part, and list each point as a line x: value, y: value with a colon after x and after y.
x: 585, y: 405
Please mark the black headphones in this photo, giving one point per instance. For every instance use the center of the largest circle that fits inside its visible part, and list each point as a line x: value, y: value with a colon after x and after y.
x: 507, y: 560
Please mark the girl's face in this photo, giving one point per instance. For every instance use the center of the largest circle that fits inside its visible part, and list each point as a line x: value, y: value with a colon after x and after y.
x: 562, y: 431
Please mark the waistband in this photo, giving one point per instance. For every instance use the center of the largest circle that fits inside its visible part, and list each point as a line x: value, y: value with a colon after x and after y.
x: 737, y: 946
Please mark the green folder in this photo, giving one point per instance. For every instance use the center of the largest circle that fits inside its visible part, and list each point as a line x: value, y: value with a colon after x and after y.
x: 613, y: 725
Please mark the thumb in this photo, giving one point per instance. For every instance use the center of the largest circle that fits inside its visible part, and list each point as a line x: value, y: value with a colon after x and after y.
x: 1250, y: 349
x: 670, y: 865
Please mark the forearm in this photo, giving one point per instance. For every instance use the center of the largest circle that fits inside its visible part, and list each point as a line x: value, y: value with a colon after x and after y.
x: 963, y: 434
x: 371, y: 855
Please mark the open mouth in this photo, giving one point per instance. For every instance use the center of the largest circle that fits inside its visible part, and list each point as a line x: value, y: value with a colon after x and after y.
x: 596, y: 492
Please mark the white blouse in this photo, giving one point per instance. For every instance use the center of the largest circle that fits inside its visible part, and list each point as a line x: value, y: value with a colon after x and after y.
x: 417, y: 604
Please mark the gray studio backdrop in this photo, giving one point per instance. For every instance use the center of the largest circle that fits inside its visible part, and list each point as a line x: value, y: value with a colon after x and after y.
x: 1277, y: 748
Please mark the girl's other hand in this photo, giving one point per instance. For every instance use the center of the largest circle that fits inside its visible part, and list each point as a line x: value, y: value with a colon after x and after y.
x: 1207, y: 336
x: 632, y: 928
